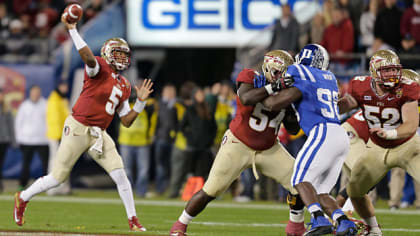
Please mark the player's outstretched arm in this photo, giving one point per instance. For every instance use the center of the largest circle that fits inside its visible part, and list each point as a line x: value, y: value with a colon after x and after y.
x: 282, y: 99
x: 249, y: 96
x: 81, y: 46
x: 346, y: 104
x: 143, y: 93
x: 410, y: 118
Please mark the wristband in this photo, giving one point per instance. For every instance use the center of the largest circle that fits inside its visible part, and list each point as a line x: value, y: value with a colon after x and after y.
x: 139, y: 106
x: 79, y: 43
x: 391, y: 134
x: 269, y: 89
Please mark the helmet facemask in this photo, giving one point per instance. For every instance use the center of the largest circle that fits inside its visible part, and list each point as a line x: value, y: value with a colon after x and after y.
x: 385, y: 68
x: 389, y: 76
x: 275, y: 64
x: 116, y: 52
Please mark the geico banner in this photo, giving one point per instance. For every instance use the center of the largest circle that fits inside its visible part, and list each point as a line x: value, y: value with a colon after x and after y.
x: 208, y: 23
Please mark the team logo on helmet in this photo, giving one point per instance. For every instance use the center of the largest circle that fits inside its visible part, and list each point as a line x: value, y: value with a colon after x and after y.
x: 109, y: 49
x: 314, y: 55
x: 275, y: 64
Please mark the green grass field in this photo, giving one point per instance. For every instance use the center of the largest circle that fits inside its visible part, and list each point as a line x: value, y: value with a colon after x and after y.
x: 103, y: 213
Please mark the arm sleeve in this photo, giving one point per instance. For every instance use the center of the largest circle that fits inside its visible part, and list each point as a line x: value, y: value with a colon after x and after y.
x: 92, y: 72
x: 412, y: 93
x: 124, y: 108
x: 245, y: 76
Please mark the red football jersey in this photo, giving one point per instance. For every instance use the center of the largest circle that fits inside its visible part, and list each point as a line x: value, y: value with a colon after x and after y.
x: 101, y: 96
x: 255, y: 126
x: 358, y: 122
x: 383, y: 111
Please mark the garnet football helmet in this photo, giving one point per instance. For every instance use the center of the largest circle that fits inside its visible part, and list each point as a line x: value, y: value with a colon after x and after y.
x: 313, y: 55
x: 275, y: 64
x: 411, y: 75
x: 113, y: 45
x: 380, y: 63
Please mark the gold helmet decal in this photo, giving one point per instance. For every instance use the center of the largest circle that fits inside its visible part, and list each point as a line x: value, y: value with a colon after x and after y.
x: 380, y: 63
x: 275, y: 64
x: 113, y: 45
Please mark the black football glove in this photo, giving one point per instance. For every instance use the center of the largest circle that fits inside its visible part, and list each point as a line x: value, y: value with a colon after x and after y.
x: 282, y: 83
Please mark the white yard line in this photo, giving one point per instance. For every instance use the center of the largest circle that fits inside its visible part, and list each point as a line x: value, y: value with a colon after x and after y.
x: 181, y: 203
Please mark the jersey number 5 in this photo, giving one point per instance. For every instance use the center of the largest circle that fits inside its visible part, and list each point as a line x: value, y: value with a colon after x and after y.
x: 113, y: 100
x: 259, y: 121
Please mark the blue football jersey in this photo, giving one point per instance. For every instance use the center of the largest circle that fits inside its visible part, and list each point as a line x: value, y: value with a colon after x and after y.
x: 319, y: 96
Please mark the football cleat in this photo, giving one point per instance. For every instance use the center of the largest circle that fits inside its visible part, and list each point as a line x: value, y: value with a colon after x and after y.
x: 178, y: 229
x: 19, y: 210
x: 319, y: 226
x: 346, y: 228
x: 135, y: 224
x: 295, y: 229
x: 371, y: 231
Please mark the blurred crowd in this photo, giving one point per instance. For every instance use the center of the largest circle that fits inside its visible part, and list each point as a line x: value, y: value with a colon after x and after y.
x: 29, y: 29
x: 347, y: 27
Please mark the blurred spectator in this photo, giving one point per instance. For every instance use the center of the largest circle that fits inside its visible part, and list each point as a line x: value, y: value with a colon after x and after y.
x: 396, y: 186
x: 197, y: 121
x: 410, y: 22
x: 135, y: 147
x: 317, y: 28
x: 57, y: 112
x: 367, y: 22
x: 327, y: 10
x: 6, y: 133
x: 30, y: 127
x: 387, y: 24
x: 166, y: 126
x: 18, y: 42
x: 179, y: 158
x: 354, y: 9
x: 21, y: 6
x: 286, y: 32
x: 45, y: 18
x: 223, y: 111
x: 409, y: 47
x: 378, y: 44
x: 92, y: 9
x: 4, y: 22
x: 338, y: 37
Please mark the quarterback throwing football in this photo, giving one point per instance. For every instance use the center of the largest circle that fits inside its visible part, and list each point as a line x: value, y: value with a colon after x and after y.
x: 104, y: 92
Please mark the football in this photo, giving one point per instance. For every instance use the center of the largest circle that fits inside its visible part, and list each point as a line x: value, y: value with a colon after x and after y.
x: 73, y: 13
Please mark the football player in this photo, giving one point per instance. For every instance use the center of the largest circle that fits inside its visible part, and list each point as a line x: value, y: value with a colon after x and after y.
x: 397, y: 178
x: 358, y: 133
x: 314, y: 94
x: 389, y: 104
x: 251, y: 141
x: 104, y: 92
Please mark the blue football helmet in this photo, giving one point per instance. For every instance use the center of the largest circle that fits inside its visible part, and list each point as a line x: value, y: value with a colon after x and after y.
x: 313, y: 55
